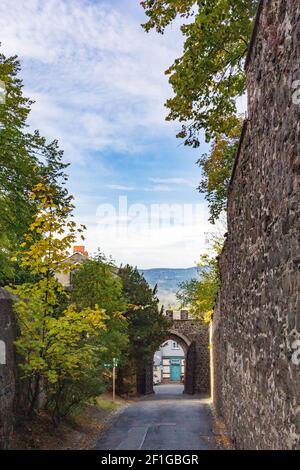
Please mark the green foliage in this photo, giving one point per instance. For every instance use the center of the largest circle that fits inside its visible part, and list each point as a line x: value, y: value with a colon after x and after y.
x: 217, y: 169
x: 162, y: 12
x: 69, y: 395
x: 58, y: 346
x: 96, y: 283
x: 106, y: 405
x: 17, y: 168
x: 50, y: 235
x: 199, y: 295
x: 25, y: 160
x: 207, y: 79
x: 54, y: 348
x: 209, y: 76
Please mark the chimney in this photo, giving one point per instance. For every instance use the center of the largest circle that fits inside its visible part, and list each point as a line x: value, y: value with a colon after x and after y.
x: 169, y: 314
x: 81, y: 250
x: 184, y: 315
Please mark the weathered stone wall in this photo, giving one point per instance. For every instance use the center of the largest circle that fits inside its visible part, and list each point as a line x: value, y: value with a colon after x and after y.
x: 217, y: 359
x: 257, y: 321
x: 7, y: 369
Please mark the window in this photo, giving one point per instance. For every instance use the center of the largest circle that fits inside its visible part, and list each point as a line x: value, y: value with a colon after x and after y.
x: 175, y: 345
x: 175, y: 362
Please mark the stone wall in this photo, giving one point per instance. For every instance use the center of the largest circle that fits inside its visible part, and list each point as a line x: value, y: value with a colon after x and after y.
x: 7, y: 369
x: 256, y: 331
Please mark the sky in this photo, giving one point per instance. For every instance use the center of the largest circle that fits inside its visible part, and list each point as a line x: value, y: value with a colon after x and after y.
x: 99, y: 88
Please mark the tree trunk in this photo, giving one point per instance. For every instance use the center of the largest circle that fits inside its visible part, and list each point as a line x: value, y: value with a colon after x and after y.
x: 35, y: 396
x: 120, y: 386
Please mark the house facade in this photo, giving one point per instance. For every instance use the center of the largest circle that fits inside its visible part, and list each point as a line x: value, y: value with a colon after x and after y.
x: 173, y: 362
x: 78, y: 257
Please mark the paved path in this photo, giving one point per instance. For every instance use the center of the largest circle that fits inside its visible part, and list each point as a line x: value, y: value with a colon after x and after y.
x: 167, y: 420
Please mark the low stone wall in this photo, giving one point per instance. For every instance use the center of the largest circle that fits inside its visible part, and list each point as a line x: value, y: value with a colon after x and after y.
x: 7, y: 369
x: 256, y: 332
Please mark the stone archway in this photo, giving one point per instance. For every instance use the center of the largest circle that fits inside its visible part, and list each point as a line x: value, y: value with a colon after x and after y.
x: 181, y: 338
x: 193, y: 337
x: 189, y: 352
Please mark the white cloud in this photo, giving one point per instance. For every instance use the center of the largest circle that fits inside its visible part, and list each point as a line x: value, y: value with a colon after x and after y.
x: 169, y: 245
x: 173, y: 181
x: 99, y: 85
x: 120, y: 187
x: 97, y: 77
x: 159, y: 187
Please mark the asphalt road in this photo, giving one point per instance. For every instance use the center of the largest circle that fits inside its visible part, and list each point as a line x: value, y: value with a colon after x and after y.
x: 167, y: 420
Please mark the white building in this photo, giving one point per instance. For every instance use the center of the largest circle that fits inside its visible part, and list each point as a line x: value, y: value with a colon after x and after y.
x: 169, y: 363
x: 78, y: 257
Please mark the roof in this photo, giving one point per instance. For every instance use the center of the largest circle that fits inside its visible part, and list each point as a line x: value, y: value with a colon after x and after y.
x: 76, y: 254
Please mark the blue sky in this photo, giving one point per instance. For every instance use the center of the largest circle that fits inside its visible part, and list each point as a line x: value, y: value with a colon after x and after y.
x: 99, y: 85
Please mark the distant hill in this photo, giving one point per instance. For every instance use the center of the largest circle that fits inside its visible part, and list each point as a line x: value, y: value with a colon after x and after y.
x: 168, y: 280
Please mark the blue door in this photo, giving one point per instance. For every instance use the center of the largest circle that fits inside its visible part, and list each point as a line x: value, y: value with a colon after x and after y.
x: 175, y: 373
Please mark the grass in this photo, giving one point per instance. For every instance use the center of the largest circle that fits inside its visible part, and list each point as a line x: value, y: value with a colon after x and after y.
x: 80, y: 430
x: 106, y: 405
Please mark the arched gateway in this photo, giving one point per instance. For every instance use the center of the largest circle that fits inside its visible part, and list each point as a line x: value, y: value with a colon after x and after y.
x: 193, y: 337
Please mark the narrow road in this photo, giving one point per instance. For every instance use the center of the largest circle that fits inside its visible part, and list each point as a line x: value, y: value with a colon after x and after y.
x: 167, y: 420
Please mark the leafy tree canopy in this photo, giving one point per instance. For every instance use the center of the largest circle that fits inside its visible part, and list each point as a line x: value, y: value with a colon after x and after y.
x: 59, y: 346
x: 26, y: 159
x: 207, y: 80
x: 96, y: 283
x: 209, y: 76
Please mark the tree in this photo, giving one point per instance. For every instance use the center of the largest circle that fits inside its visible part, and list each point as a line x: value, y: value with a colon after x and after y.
x: 59, y: 352
x: 216, y: 171
x: 207, y: 80
x: 58, y: 348
x: 17, y: 166
x: 199, y: 295
x: 96, y: 283
x: 26, y: 159
x: 209, y: 76
x: 147, y: 326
